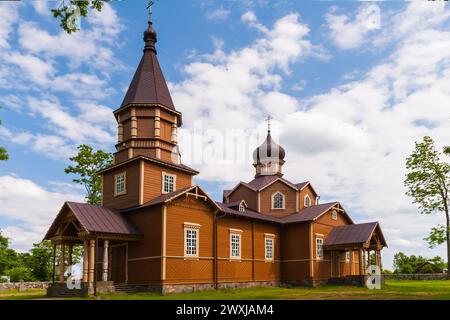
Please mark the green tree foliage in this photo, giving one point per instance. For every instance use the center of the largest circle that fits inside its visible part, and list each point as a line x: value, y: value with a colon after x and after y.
x: 8, y: 257
x: 69, y: 11
x: 86, y: 164
x: 428, y: 183
x: 3, y: 153
x: 18, y: 274
x: 417, y: 264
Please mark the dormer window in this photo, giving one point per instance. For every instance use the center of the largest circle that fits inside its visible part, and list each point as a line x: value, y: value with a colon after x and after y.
x: 278, y: 201
x: 307, y: 201
x: 169, y: 182
x: 242, y: 206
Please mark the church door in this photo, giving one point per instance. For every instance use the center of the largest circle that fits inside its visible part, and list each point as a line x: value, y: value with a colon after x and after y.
x: 118, y: 264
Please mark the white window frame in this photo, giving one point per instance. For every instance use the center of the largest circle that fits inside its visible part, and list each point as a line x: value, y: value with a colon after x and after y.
x: 238, y: 234
x: 241, y: 207
x: 319, y: 239
x: 347, y: 256
x: 273, y: 202
x: 192, y: 227
x: 164, y: 175
x: 269, y: 237
x: 334, y: 215
x: 116, y: 177
x: 304, y: 201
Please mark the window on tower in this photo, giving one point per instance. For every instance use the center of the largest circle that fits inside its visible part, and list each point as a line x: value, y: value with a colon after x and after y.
x: 169, y: 181
x: 278, y: 200
x: 120, y: 182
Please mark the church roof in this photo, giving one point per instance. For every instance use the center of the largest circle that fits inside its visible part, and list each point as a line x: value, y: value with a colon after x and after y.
x: 96, y: 219
x: 247, y: 213
x: 149, y: 85
x: 309, y: 213
x: 354, y: 234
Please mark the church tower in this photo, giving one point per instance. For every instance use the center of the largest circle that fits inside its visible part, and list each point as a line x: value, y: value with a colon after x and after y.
x: 147, y: 161
x: 268, y: 158
x: 147, y: 118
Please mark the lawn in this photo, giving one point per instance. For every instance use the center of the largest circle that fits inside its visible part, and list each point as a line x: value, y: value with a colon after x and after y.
x: 436, y: 289
x: 392, y: 290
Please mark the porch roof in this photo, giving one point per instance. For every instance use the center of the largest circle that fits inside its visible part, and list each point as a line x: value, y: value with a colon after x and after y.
x: 94, y: 219
x: 354, y: 235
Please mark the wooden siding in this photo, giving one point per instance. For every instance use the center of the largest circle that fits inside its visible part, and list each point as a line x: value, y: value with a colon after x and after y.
x: 301, y: 199
x: 244, y: 193
x: 295, y: 251
x: 266, y: 200
x: 153, y: 180
x: 131, y: 198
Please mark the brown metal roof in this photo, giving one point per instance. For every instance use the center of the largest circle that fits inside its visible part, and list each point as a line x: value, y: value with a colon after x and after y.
x: 96, y: 219
x: 148, y: 85
x: 310, y: 213
x: 353, y: 234
x: 247, y: 213
x: 158, y: 161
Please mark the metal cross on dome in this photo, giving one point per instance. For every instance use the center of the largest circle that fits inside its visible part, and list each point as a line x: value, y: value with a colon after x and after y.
x: 269, y: 118
x: 150, y: 9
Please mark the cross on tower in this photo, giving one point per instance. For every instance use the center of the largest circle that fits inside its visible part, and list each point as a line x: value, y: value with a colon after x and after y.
x: 268, y: 122
x: 150, y: 10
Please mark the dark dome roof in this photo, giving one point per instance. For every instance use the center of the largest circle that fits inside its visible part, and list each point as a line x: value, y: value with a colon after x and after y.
x: 269, y: 150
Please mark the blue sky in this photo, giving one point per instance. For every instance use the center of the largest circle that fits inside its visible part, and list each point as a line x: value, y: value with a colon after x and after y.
x: 349, y: 97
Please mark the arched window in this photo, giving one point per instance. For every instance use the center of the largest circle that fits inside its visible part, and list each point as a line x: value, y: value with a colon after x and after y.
x: 278, y: 200
x: 242, y: 207
x: 307, y: 201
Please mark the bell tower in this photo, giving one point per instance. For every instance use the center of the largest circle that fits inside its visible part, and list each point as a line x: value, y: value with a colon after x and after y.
x: 147, y: 118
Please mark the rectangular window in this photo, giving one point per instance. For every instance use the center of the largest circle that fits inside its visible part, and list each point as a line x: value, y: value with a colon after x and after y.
x: 120, y: 184
x: 269, y: 248
x: 191, y: 241
x: 168, y: 183
x: 319, y: 248
x: 347, y: 256
x: 235, y: 245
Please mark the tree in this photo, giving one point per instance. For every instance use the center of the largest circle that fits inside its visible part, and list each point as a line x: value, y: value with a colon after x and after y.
x: 404, y: 264
x: 428, y: 183
x: 18, y: 274
x: 86, y: 165
x: 71, y: 10
x: 8, y: 257
x: 3, y: 153
x: 447, y: 150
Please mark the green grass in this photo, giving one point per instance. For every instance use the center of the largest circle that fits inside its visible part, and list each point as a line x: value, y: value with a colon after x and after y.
x: 391, y: 290
x: 22, y: 295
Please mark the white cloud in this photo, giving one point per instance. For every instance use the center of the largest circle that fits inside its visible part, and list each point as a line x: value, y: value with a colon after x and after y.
x: 32, y: 207
x: 218, y: 14
x: 347, y: 33
x: 34, y: 68
x: 8, y: 18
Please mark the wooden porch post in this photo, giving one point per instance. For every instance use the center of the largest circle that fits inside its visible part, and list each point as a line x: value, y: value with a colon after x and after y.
x: 61, y: 263
x: 85, y: 261
x: 368, y: 258
x: 91, y: 261
x: 54, y: 263
x: 351, y: 262
x: 105, y: 260
x: 69, y: 257
x: 361, y: 262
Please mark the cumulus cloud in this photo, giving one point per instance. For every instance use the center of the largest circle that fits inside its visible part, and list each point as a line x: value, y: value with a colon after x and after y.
x: 218, y: 14
x: 31, y: 207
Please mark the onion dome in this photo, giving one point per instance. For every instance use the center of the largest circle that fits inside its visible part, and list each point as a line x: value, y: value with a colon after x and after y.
x: 269, y: 151
x: 150, y: 38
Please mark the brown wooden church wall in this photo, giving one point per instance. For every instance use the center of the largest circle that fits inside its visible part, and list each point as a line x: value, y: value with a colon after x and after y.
x: 244, y: 193
x: 267, y: 270
x: 266, y: 199
x: 131, y: 198
x: 153, y: 180
x: 144, y: 265
x: 295, y: 251
x: 146, y: 127
x: 189, y: 270
x: 301, y: 199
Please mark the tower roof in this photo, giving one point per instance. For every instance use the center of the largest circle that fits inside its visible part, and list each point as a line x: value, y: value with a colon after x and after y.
x: 269, y: 151
x: 149, y: 85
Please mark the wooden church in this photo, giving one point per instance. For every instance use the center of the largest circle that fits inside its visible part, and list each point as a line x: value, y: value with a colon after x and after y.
x: 155, y: 230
